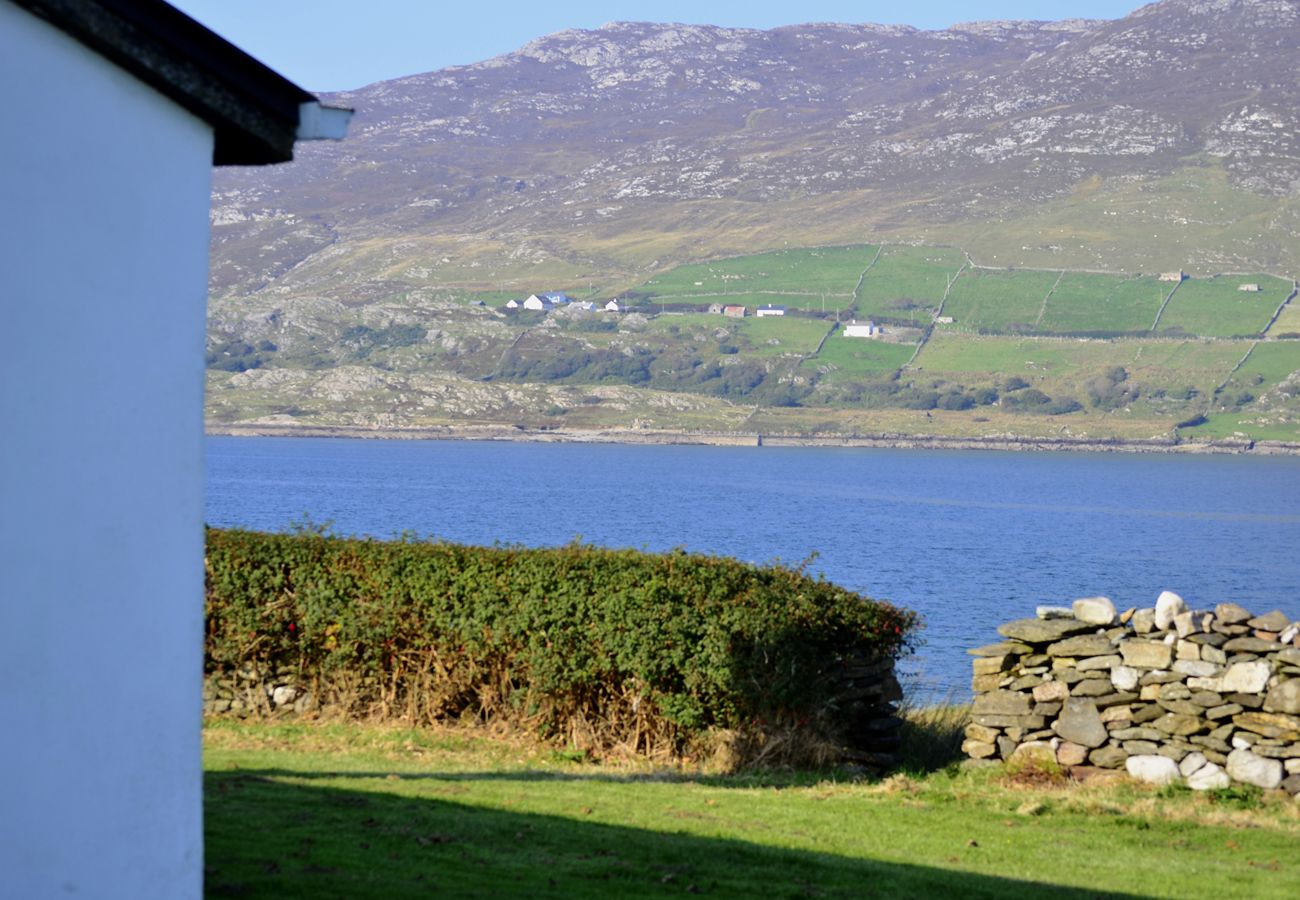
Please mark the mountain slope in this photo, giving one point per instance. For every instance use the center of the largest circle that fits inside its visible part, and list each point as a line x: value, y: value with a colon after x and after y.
x: 637, y: 145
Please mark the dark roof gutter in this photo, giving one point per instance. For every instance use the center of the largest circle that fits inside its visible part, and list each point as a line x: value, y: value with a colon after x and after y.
x: 256, y: 113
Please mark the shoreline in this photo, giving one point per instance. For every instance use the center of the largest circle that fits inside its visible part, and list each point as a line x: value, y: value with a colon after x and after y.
x: 889, y: 441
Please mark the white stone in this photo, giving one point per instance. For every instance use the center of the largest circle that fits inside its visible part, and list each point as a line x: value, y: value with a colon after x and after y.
x: 1292, y: 766
x: 1191, y: 763
x: 1094, y: 610
x: 1153, y: 769
x: 284, y: 695
x: 1208, y: 778
x: 1124, y: 678
x: 1248, y: 768
x: 1196, y: 667
x: 1247, y: 677
x: 1240, y: 742
x: 1168, y: 605
x: 1289, y: 634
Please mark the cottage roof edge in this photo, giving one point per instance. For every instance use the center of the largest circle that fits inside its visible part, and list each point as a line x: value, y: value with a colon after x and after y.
x: 256, y: 113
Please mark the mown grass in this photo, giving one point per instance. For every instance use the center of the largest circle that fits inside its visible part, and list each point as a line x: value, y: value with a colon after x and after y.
x: 1216, y: 308
x: 314, y: 810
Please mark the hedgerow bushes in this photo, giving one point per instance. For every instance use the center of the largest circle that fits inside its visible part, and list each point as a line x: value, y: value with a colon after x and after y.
x: 651, y: 652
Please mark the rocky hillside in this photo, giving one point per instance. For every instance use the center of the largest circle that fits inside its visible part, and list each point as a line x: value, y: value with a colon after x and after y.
x: 596, y: 156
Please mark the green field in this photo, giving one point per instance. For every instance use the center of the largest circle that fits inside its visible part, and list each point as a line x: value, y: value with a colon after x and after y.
x: 791, y: 335
x: 1058, y: 363
x: 998, y: 300
x: 1103, y: 303
x: 1271, y: 361
x: 1214, y: 307
x: 907, y: 282
x: 354, y: 811
x: 853, y: 357
x: 829, y: 270
x: 752, y: 301
x: 1288, y: 322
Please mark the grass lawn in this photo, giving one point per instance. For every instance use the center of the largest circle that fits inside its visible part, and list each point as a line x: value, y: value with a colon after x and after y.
x: 833, y: 270
x: 309, y: 810
x: 998, y: 300
x: 1214, y: 307
x: 1086, y: 302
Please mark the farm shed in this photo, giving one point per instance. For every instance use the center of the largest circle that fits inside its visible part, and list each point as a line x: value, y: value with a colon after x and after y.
x: 119, y: 109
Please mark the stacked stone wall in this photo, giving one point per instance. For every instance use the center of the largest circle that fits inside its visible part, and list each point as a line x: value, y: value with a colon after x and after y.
x: 1209, y: 697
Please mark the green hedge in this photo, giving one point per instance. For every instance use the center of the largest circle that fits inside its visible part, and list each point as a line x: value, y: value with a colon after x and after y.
x: 606, y: 647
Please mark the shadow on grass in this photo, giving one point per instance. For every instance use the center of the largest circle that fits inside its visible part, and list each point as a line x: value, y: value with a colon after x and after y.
x: 267, y: 838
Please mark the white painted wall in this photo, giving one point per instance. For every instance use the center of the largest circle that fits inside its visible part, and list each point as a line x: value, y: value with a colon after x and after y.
x: 104, y: 189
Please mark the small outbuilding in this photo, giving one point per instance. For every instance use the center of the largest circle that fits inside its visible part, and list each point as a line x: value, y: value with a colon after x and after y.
x: 1249, y: 288
x: 734, y: 312
x: 115, y: 112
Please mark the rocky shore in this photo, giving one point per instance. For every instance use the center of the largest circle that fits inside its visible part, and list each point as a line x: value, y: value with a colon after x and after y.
x: 751, y: 439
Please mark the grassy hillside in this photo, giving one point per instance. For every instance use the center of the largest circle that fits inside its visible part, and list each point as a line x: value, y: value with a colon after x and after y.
x: 995, y: 351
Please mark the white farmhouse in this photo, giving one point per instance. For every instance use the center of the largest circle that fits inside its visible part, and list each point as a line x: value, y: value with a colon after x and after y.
x: 862, y: 329
x: 116, y: 112
x: 612, y: 306
x: 770, y: 310
x: 537, y: 303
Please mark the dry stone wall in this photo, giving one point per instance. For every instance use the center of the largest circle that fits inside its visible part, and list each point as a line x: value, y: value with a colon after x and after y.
x: 1209, y: 697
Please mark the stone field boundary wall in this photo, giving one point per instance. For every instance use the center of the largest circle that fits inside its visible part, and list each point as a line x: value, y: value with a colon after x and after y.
x: 1209, y: 698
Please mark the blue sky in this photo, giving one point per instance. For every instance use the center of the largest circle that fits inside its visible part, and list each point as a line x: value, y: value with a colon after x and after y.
x: 327, y: 45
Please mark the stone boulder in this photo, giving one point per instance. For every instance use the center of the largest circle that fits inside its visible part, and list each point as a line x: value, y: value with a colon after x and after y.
x: 1168, y: 605
x: 1152, y: 769
x: 1094, y: 610
x: 1248, y: 768
x: 1281, y: 698
x: 1080, y: 723
x: 1042, y: 631
x: 1208, y: 777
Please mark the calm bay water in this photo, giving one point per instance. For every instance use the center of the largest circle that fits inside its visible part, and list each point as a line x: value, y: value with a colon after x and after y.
x: 968, y: 539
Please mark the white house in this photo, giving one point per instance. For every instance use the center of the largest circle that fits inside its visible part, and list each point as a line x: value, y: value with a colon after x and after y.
x: 535, y: 303
x: 862, y: 329
x: 513, y: 304
x: 770, y: 310
x: 116, y: 112
x: 612, y: 306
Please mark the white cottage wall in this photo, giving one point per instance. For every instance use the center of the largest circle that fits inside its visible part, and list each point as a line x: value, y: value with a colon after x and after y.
x: 104, y: 191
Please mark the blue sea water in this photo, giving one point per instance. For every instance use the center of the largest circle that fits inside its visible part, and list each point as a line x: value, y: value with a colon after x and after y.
x: 969, y: 539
